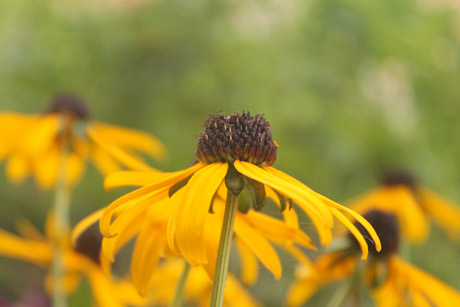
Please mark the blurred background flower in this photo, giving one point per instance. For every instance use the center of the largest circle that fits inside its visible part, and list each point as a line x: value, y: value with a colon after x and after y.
x: 351, y: 88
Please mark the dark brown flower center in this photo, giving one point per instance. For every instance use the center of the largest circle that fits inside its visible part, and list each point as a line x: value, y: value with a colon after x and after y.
x: 70, y: 104
x: 89, y: 244
x: 399, y: 177
x: 387, y: 228
x: 237, y: 137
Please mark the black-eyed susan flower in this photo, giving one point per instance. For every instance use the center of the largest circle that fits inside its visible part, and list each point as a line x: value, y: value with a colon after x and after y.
x: 32, y: 144
x: 412, y: 204
x: 234, y: 157
x: 390, y: 280
x: 255, y: 235
x: 197, y: 291
x: 81, y: 261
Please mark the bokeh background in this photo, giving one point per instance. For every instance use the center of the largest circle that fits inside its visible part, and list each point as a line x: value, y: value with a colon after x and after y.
x: 351, y: 88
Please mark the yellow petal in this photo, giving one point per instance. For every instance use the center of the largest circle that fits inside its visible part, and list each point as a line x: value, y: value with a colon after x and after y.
x: 304, y: 200
x: 130, y: 138
x: 103, y: 291
x: 445, y: 213
x: 28, y: 230
x: 249, y: 264
x: 290, y: 216
x: 126, y: 226
x: 259, y: 246
x: 237, y: 296
x: 146, y: 256
x: 130, y: 161
x: 132, y: 178
x: 356, y: 233
x: 104, y: 162
x: 300, y: 291
x: 438, y: 292
x: 17, y: 168
x: 75, y: 168
x: 41, y: 137
x: 12, y: 130
x: 27, y: 250
x: 276, y: 229
x: 361, y: 220
x: 191, y: 214
x: 166, y: 181
x: 46, y: 167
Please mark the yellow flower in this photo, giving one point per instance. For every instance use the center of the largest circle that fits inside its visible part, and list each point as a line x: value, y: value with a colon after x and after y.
x: 390, y: 280
x: 254, y: 233
x: 235, y: 154
x: 197, y: 289
x: 412, y: 204
x: 82, y: 261
x: 32, y: 144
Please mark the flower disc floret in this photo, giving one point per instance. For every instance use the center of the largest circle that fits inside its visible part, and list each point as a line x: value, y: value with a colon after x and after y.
x: 237, y: 137
x: 70, y: 104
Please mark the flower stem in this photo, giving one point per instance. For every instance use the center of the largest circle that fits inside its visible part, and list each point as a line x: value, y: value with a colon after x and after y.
x: 223, y: 254
x: 179, y: 295
x: 61, y: 230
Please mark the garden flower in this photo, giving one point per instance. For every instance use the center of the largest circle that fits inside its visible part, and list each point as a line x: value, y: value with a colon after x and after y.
x: 412, y: 204
x: 32, y: 144
x: 255, y: 232
x: 234, y: 156
x: 390, y: 280
x: 82, y: 261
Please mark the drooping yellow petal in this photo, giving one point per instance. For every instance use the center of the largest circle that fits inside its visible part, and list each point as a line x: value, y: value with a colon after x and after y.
x: 290, y: 216
x: 46, y: 167
x: 356, y: 233
x: 362, y: 221
x: 445, y: 213
x: 300, y: 291
x: 259, y: 246
x: 165, y: 182
x: 146, y: 256
x: 304, y: 200
x: 26, y: 250
x: 12, y: 130
x: 191, y: 215
x: 438, y: 293
x: 17, y: 168
x: 75, y: 168
x: 118, y: 153
x: 237, y: 296
x: 132, y: 178
x: 103, y: 161
x: 103, y: 291
x: 276, y: 229
x: 130, y: 138
x: 41, y: 137
x: 126, y: 226
x: 28, y: 231
x: 249, y: 264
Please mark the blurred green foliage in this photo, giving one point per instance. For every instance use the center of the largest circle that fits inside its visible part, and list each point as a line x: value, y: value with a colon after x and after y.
x: 351, y: 87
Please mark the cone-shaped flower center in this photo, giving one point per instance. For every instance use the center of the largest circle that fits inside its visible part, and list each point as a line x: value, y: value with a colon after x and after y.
x: 236, y: 137
x: 70, y: 104
x: 387, y: 228
x: 399, y: 177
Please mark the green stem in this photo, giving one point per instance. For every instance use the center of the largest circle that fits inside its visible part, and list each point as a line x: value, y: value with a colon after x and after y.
x: 223, y: 255
x: 179, y: 295
x: 61, y: 230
